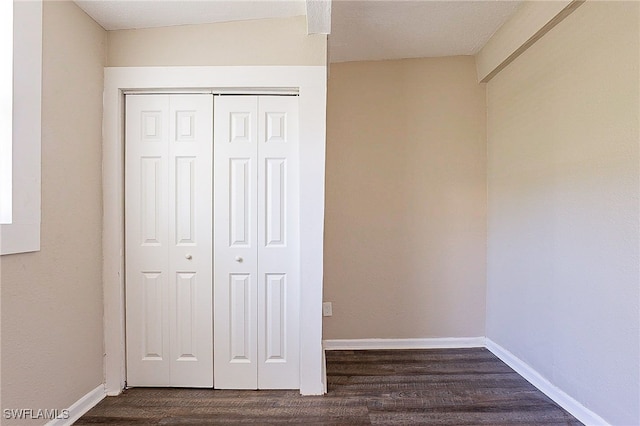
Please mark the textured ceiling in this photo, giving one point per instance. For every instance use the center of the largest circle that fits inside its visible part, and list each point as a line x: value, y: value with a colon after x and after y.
x: 360, y: 30
x: 127, y: 14
x: 375, y: 30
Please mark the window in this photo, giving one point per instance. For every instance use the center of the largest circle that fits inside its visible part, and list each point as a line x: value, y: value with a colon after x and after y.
x: 21, y: 158
x: 6, y: 108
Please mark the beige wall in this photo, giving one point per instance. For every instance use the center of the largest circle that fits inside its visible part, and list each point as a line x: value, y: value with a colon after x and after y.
x: 405, y: 200
x: 52, y: 334
x: 563, y: 253
x: 261, y: 42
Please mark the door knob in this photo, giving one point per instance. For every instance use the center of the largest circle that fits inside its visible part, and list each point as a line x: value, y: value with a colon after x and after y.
x: 188, y: 256
x: 238, y: 259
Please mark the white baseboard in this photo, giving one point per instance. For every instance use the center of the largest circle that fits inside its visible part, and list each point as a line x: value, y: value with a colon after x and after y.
x: 426, y: 343
x: 81, y: 406
x: 578, y: 410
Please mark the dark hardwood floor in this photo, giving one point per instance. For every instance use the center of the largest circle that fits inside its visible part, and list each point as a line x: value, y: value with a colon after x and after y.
x: 399, y: 387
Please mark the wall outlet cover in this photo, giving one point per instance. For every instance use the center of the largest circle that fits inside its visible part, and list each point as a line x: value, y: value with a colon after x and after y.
x: 327, y: 309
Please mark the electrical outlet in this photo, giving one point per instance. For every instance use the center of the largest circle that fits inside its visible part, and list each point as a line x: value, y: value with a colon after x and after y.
x: 327, y: 309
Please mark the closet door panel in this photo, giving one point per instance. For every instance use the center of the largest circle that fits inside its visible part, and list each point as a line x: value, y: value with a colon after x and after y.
x: 168, y: 214
x: 190, y: 238
x: 278, y: 235
x: 147, y: 240
x: 235, y: 246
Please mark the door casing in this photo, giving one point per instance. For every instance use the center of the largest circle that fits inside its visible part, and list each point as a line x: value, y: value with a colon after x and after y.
x: 310, y: 82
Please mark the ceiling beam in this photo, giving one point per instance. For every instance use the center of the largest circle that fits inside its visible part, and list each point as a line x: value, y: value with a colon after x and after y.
x: 318, y: 16
x: 530, y: 22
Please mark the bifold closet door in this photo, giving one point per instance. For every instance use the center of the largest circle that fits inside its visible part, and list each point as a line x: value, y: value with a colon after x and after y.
x: 168, y: 214
x: 256, y: 246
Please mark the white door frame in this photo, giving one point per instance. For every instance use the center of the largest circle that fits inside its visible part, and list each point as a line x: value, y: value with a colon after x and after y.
x: 310, y: 81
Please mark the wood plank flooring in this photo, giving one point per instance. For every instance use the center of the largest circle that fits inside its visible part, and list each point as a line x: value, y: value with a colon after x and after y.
x: 381, y: 387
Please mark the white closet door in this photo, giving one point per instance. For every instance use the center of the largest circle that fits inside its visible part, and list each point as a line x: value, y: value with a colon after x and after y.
x: 235, y: 242
x: 147, y: 235
x: 191, y: 246
x: 278, y: 286
x: 256, y: 243
x: 168, y: 198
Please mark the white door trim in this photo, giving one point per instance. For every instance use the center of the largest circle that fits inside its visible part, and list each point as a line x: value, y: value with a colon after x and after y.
x: 311, y: 83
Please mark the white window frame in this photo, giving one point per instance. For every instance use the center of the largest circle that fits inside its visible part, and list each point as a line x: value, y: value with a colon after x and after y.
x: 6, y: 109
x: 311, y: 84
x: 23, y: 233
